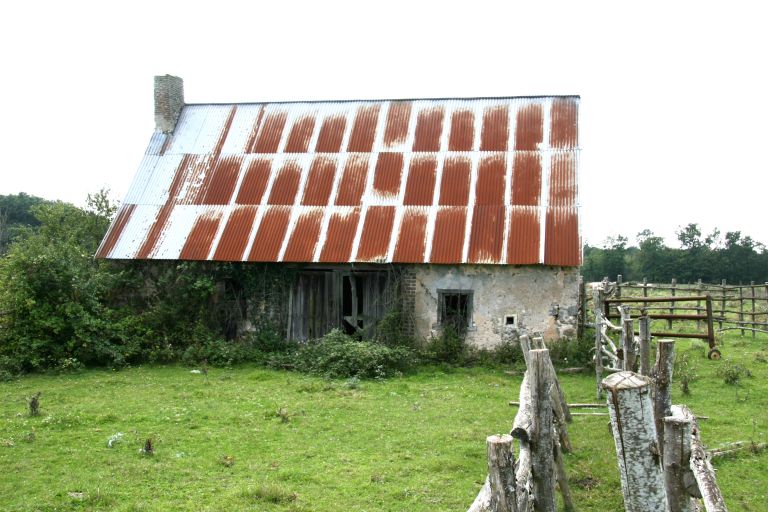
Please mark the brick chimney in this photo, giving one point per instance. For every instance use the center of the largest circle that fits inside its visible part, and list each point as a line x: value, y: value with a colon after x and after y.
x: 169, y: 99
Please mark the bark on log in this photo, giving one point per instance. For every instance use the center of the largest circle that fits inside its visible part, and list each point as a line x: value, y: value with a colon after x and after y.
x: 482, y: 502
x: 542, y: 440
x: 662, y: 397
x: 525, y: 346
x: 645, y: 345
x: 523, y: 423
x: 634, y: 432
x: 704, y: 474
x: 677, y: 457
x: 524, y: 479
x: 628, y: 344
x: 501, y: 474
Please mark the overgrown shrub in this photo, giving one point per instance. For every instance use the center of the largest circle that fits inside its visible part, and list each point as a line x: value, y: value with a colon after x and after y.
x: 732, y: 373
x: 338, y: 355
x: 685, y: 372
x: 572, y: 352
x: 447, y: 347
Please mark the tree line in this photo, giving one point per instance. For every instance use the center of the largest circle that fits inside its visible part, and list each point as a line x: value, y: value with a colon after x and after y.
x: 733, y: 256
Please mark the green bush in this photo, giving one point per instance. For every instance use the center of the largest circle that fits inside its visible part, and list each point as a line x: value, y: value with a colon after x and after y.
x: 572, y: 352
x: 338, y: 355
x: 732, y: 373
x: 447, y: 347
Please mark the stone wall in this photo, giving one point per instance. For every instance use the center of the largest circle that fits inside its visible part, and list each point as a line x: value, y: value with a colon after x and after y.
x: 541, y: 299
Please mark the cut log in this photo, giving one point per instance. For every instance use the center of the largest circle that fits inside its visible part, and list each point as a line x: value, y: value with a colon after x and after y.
x: 501, y: 474
x: 662, y: 397
x: 704, y: 474
x: 482, y: 502
x: 634, y: 433
x: 523, y: 423
x: 645, y: 345
x: 542, y: 440
x: 525, y: 346
x: 677, y: 456
x: 524, y: 479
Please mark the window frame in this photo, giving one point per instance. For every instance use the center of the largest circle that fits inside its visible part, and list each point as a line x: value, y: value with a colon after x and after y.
x: 443, y: 292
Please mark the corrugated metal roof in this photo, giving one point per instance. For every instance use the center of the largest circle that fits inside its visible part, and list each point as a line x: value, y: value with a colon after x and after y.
x: 491, y: 180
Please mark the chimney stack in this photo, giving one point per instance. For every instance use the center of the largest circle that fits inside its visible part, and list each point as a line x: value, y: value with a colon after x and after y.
x: 169, y: 99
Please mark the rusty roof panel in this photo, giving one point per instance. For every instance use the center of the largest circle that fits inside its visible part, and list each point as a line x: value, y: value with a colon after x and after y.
x: 420, y: 187
x: 491, y: 176
x: 301, y: 132
x: 364, y: 129
x: 454, y: 185
x: 564, y: 124
x: 234, y: 238
x: 563, y: 243
x: 448, y: 238
x: 331, y: 134
x: 523, y: 237
x: 562, y: 179
x: 429, y: 127
x: 397, y: 124
x: 301, y: 246
x: 286, y: 183
x: 526, y: 179
x: 255, y: 181
x: 411, y: 240
x: 115, y: 230
x: 389, y: 170
x: 269, y: 237
x: 353, y: 180
x: 486, y: 238
x: 220, y: 183
x: 374, y: 240
x: 270, y: 132
x: 320, y: 181
x: 530, y: 128
x: 340, y: 235
x: 432, y: 177
x: 198, y: 243
x: 495, y: 132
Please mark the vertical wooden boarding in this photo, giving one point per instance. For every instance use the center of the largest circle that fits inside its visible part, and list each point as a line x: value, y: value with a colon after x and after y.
x: 672, y: 303
x: 722, y: 304
x: 662, y: 396
x: 752, y: 292
x: 634, y: 433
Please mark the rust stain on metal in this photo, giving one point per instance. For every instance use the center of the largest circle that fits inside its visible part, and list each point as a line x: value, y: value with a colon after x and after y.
x: 462, y: 131
x: 429, y: 127
x: 153, y: 236
x: 421, y: 181
x: 454, y: 187
x: 198, y: 243
x: 255, y: 181
x: 286, y: 184
x: 364, y: 129
x: 562, y: 246
x: 115, y: 230
x: 270, y: 133
x: 331, y: 134
x: 486, y: 236
x: 250, y: 143
x: 377, y: 230
x: 301, y: 246
x: 564, y: 132
x: 353, y: 180
x: 320, y: 181
x: 448, y: 239
x: 526, y: 179
x: 530, y: 128
x: 411, y: 241
x: 562, y: 180
x: 397, y: 123
x: 490, y: 180
x: 234, y: 238
x: 389, y: 170
x: 495, y: 132
x: 340, y: 237
x: 220, y: 184
x: 269, y: 238
x: 301, y: 132
x: 224, y: 131
x: 523, y: 238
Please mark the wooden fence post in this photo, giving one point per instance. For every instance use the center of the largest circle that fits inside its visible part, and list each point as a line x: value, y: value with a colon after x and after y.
x: 628, y: 341
x: 582, y: 309
x: 645, y: 290
x: 722, y: 304
x: 754, y: 320
x: 698, y: 305
x: 645, y: 344
x: 662, y: 396
x: 542, y: 445
x: 619, y: 282
x: 678, y: 478
x: 741, y: 309
x: 672, y: 303
x: 629, y: 405
x: 597, y: 303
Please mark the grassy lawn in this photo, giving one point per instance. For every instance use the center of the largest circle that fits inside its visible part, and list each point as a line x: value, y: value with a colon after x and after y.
x: 255, y: 439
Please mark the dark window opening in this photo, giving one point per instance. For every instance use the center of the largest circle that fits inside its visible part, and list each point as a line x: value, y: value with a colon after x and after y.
x: 510, y: 320
x: 455, y: 309
x: 351, y: 304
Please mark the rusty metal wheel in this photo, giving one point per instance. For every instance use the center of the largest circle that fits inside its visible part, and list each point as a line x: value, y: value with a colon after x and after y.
x: 714, y: 355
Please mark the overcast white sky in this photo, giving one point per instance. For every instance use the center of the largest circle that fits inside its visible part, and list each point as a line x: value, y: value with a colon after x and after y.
x: 674, y: 94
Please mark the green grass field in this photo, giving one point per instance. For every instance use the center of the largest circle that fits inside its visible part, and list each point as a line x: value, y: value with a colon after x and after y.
x: 255, y: 439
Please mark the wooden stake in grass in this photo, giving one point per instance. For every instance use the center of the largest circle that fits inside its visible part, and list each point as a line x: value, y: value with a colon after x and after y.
x: 634, y: 432
x: 149, y: 448
x: 662, y: 396
x: 498, y: 494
